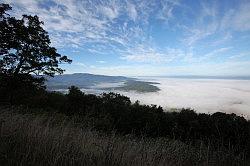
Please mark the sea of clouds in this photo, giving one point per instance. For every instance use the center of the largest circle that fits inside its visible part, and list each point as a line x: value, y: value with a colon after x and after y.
x: 203, y: 95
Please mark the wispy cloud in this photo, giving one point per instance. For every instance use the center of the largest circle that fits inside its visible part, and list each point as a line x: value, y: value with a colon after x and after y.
x: 204, y: 25
x: 132, y: 12
x: 222, y: 39
x: 193, y: 57
x: 237, y: 19
x: 214, y: 54
x: 149, y: 54
x: 157, y: 32
x: 80, y: 64
x: 101, y: 62
x: 211, y: 21
x: 111, y: 10
x: 75, y: 23
x: 239, y: 55
x: 166, y: 11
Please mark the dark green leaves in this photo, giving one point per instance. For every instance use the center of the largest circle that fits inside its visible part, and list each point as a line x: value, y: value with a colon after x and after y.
x: 25, y: 46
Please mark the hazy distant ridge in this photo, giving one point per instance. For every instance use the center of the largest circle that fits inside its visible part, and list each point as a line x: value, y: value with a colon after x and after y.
x: 86, y: 80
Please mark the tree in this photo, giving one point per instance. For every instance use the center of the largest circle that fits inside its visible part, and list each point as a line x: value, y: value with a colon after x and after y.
x: 25, y: 46
x: 24, y: 51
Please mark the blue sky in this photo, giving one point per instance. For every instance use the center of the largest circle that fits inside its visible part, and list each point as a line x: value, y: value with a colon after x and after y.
x: 147, y: 37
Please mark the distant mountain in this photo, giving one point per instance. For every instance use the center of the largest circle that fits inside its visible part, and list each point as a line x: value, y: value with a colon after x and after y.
x: 82, y: 80
x: 100, y: 83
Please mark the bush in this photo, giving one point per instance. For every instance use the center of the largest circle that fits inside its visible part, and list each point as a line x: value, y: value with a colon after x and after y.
x: 114, y: 112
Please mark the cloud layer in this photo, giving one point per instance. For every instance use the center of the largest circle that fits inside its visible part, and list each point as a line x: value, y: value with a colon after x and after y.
x: 205, y: 96
x: 158, y: 33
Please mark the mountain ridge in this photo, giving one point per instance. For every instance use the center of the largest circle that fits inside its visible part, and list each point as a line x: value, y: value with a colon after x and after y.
x: 88, y: 81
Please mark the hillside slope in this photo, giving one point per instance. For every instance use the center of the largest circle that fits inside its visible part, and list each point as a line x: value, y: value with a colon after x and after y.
x: 91, y: 81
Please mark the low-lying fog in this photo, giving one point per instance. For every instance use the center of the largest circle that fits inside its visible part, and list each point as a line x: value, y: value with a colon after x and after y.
x: 203, y: 95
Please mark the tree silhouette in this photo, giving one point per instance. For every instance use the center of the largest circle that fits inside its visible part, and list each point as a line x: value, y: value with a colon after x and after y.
x: 25, y: 46
x: 24, y: 51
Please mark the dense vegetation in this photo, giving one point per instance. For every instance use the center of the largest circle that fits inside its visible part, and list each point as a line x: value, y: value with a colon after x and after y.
x: 38, y: 127
x: 110, y: 130
x: 25, y: 51
x: 139, y: 86
x: 111, y: 112
x: 34, y: 137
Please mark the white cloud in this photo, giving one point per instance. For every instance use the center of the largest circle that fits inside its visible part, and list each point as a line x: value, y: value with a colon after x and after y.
x: 80, y: 64
x: 132, y: 12
x: 122, y: 28
x: 238, y: 20
x: 205, y: 25
x: 167, y: 9
x: 208, y: 9
x: 75, y: 23
x: 210, y: 21
x: 203, y: 95
x: 149, y: 54
x: 110, y: 13
x: 195, y: 35
x: 226, y: 20
x: 214, y: 53
x: 70, y: 21
x: 192, y: 57
x: 222, y: 39
x: 239, y: 55
x: 102, y: 62
x: 242, y: 18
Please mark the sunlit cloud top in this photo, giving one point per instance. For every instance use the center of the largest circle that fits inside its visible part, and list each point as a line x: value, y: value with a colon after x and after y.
x: 141, y: 37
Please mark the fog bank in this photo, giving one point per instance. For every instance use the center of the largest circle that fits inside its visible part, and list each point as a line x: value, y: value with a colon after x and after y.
x: 203, y: 95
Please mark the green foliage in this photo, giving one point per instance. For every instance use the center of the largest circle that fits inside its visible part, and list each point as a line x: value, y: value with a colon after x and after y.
x: 25, y: 46
x: 24, y: 50
x: 111, y: 111
x: 139, y: 86
x: 31, y: 138
x: 19, y: 88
